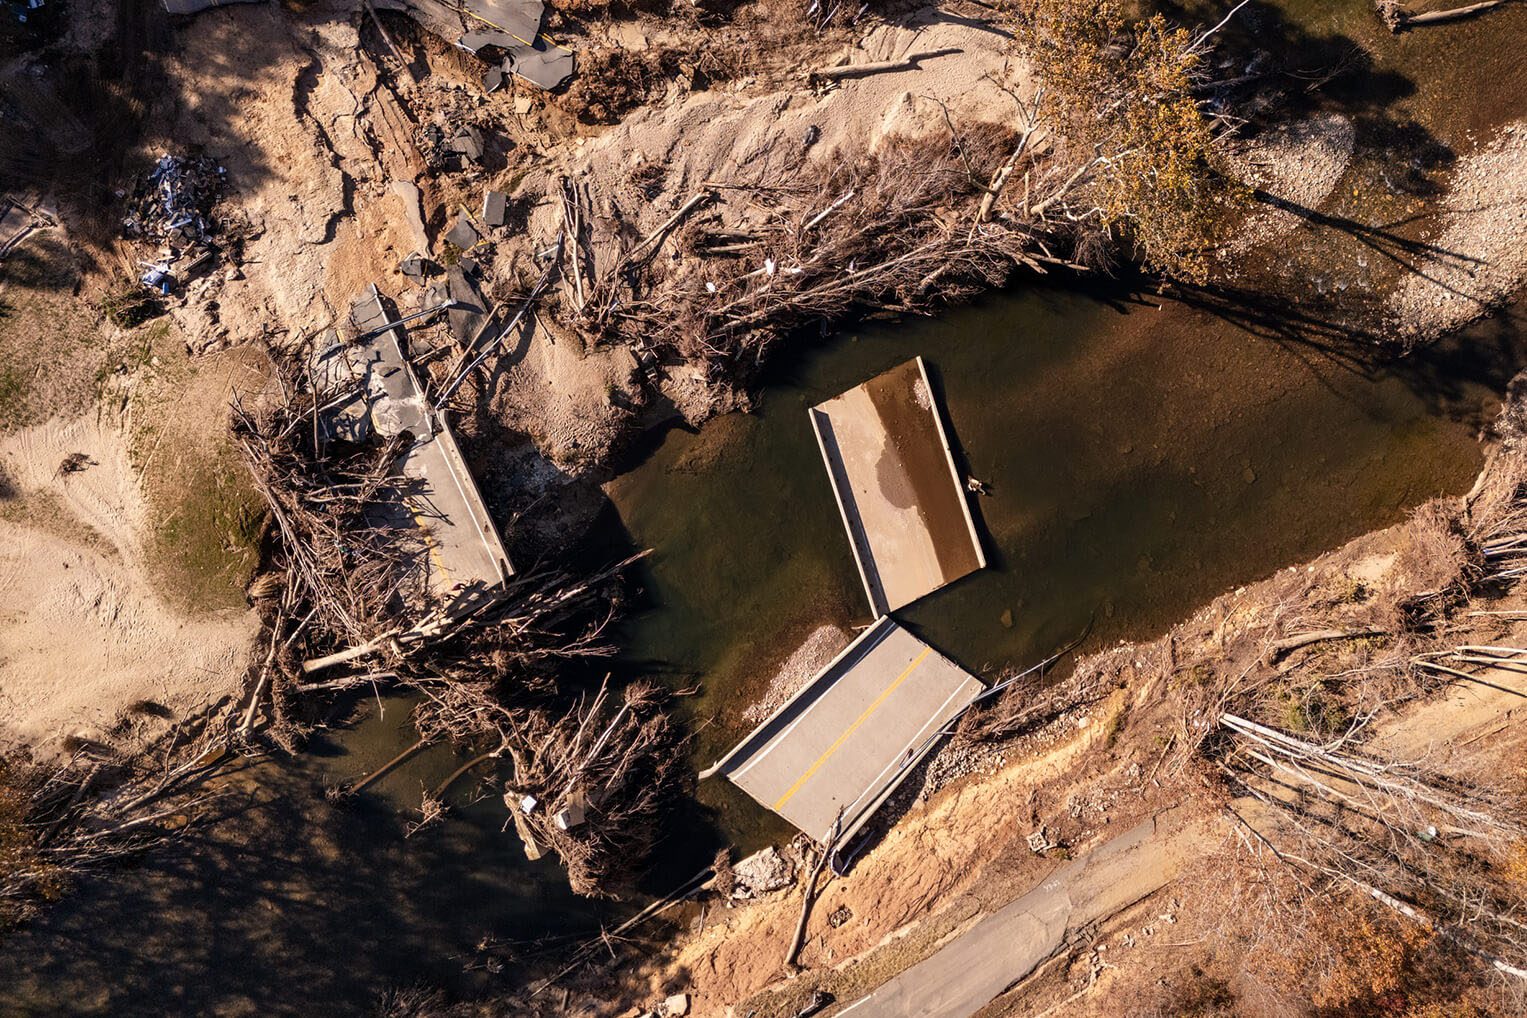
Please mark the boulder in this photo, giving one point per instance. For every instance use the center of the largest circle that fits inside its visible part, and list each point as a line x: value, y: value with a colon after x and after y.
x: 761, y: 873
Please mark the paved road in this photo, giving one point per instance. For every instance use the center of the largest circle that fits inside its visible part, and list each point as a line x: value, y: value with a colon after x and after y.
x: 904, y: 506
x: 464, y: 548
x: 1007, y: 945
x: 849, y: 737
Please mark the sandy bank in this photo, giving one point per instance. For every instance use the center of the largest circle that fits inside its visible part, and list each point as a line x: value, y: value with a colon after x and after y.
x: 82, y: 634
x: 1475, y: 257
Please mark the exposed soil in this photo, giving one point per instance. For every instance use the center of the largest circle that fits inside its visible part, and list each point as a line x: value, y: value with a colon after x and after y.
x: 83, y: 636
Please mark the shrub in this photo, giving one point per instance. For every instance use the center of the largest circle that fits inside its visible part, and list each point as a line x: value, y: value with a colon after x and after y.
x: 1124, y: 91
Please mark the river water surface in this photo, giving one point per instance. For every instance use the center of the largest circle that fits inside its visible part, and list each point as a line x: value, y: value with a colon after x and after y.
x: 1142, y: 456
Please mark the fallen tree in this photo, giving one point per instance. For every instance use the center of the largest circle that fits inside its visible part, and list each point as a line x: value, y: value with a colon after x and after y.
x: 1398, y: 19
x: 1109, y: 149
x: 345, y: 607
x: 59, y: 822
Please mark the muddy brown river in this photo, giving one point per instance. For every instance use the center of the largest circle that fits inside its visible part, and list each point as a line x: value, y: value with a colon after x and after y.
x: 1141, y: 456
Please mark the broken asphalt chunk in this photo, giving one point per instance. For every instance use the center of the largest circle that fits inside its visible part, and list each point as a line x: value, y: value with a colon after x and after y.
x: 463, y: 233
x: 545, y: 66
x: 494, y: 207
x: 475, y: 42
x: 417, y: 267
x: 467, y: 317
x: 493, y: 79
x: 519, y: 18
x: 467, y: 143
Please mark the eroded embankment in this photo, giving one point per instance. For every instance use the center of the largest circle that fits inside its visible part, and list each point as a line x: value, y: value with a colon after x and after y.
x: 1117, y: 740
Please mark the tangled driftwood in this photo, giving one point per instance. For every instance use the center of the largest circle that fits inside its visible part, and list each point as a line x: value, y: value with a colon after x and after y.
x: 343, y: 594
x: 919, y: 222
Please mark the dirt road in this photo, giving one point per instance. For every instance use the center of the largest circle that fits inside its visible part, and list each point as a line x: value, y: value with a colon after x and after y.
x: 1006, y: 946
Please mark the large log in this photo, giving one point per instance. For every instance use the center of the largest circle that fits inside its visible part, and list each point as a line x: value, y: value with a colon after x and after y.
x: 907, y: 63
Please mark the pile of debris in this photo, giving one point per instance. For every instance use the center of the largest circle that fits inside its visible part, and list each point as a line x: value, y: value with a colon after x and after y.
x: 19, y: 219
x: 172, y: 211
x: 452, y: 147
x: 505, y: 34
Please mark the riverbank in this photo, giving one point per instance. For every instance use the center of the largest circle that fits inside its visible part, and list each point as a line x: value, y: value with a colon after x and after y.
x: 1108, y: 748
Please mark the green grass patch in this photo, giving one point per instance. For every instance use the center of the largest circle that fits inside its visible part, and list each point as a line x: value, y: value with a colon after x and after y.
x: 207, y: 540
x: 13, y: 393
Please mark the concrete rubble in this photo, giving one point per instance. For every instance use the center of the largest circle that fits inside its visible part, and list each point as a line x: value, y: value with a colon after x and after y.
x: 451, y: 145
x: 832, y: 754
x: 463, y: 233
x: 544, y: 66
x: 505, y: 34
x: 467, y: 142
x: 465, y: 559
x: 762, y: 873
x: 459, y: 285
x: 494, y: 206
x: 407, y: 192
x: 417, y: 268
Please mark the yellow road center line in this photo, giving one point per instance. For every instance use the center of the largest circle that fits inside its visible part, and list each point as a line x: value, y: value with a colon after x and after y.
x: 496, y: 25
x: 861, y: 719
x: 501, y: 28
x: 429, y: 542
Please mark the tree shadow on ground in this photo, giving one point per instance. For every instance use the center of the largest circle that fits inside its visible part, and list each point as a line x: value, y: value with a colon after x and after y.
x: 1487, y: 353
x: 291, y: 905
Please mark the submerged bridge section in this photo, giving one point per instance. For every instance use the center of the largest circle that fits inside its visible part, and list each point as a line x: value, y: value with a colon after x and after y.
x: 828, y: 758
x: 846, y: 740
x: 892, y: 471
